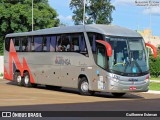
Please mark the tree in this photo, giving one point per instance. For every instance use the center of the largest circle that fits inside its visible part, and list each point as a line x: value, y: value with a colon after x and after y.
x: 16, y: 16
x: 97, y: 11
x: 154, y: 66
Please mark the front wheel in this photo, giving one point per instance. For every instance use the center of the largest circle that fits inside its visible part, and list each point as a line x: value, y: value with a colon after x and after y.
x: 118, y: 94
x: 83, y: 87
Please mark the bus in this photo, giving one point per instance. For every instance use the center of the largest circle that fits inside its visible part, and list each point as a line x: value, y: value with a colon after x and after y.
x: 90, y: 58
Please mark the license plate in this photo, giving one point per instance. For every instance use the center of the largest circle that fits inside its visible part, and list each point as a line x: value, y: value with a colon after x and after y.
x: 132, y: 88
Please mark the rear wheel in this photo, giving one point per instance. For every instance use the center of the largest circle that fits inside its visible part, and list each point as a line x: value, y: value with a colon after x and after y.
x: 83, y: 87
x: 18, y: 79
x: 118, y: 94
x: 27, y: 82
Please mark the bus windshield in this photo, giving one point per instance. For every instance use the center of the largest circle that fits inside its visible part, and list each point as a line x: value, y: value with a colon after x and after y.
x: 128, y: 55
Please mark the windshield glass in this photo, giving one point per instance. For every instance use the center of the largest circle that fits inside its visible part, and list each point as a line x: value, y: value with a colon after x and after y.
x: 128, y: 55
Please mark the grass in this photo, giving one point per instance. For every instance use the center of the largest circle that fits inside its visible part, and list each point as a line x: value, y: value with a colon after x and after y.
x: 154, y: 86
x: 154, y: 78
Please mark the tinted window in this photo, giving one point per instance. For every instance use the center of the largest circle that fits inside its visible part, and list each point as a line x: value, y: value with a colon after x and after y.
x: 74, y: 43
x: 24, y: 44
x: 16, y: 42
x: 101, y: 56
x: 38, y: 43
x: 7, y: 44
x: 53, y: 43
x: 71, y: 43
x: 92, y: 39
x: 63, y: 43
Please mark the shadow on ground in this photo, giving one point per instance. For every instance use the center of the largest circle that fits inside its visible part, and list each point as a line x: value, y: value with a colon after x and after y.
x: 75, y: 91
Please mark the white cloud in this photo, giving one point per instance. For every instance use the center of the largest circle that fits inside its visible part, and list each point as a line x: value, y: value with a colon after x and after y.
x: 152, y: 10
x: 65, y: 18
x: 123, y: 2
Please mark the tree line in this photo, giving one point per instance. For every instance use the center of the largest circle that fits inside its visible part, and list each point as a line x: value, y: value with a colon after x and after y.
x: 16, y: 15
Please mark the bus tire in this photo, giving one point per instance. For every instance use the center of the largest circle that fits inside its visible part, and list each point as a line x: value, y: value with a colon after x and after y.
x: 18, y: 79
x: 27, y: 82
x: 118, y: 94
x: 83, y: 87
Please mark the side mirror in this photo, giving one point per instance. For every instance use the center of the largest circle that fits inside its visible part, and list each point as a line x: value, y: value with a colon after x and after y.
x: 153, y: 48
x: 107, y: 45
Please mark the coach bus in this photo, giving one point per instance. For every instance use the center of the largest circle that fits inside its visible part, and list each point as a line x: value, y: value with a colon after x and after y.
x: 91, y: 58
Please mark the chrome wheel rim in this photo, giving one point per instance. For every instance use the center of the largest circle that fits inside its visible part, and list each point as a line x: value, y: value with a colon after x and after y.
x: 26, y: 79
x: 85, y: 86
x: 19, y: 78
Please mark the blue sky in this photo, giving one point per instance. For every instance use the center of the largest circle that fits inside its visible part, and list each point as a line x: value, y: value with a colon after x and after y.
x: 127, y: 14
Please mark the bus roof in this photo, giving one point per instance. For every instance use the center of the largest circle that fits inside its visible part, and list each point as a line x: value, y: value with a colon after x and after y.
x: 111, y: 30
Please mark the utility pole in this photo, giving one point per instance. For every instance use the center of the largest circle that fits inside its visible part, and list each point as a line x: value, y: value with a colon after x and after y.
x: 84, y: 11
x: 32, y: 15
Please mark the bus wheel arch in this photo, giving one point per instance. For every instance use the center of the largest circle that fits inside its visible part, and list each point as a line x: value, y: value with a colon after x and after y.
x: 83, y: 85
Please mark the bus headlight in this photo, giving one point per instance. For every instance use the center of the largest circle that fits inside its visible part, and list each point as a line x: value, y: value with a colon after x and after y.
x: 115, y: 80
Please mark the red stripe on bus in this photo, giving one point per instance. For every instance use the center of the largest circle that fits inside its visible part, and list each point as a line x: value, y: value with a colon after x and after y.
x: 13, y: 57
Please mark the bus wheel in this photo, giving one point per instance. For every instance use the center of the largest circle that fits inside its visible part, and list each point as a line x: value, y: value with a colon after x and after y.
x: 83, y: 87
x: 27, y: 82
x: 118, y: 94
x: 18, y: 78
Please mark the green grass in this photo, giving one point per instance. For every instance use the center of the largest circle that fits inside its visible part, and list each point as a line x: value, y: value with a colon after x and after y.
x: 154, y: 86
x: 154, y: 78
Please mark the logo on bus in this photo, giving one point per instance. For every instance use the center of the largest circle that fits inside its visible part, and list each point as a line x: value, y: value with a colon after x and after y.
x: 133, y: 79
x: 62, y: 61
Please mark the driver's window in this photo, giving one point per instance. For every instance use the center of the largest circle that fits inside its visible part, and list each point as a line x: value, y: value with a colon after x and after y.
x: 101, y: 56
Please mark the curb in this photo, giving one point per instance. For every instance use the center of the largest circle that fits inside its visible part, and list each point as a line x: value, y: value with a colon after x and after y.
x: 155, y: 81
x: 152, y: 92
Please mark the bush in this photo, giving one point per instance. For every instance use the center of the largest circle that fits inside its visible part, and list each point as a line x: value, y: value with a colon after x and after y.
x: 1, y: 74
x: 154, y: 66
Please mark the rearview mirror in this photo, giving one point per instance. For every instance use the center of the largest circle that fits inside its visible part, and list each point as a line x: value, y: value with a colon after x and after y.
x: 107, y: 45
x: 153, y: 48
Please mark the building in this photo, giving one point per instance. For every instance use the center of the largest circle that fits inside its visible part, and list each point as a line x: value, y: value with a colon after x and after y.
x: 149, y: 38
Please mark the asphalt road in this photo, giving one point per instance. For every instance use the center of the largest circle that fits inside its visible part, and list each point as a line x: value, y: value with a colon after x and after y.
x: 16, y: 98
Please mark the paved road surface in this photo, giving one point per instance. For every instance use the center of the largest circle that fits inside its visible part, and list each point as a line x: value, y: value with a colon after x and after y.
x: 20, y: 98
x: 16, y: 98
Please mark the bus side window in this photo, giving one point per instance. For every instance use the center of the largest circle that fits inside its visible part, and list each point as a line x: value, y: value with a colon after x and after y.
x: 74, y: 43
x: 63, y: 43
x: 29, y: 41
x: 46, y: 43
x: 38, y: 43
x: 53, y: 44
x: 82, y: 44
x: 101, y: 56
x: 7, y: 44
x: 16, y: 42
x: 92, y: 39
x: 24, y: 44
